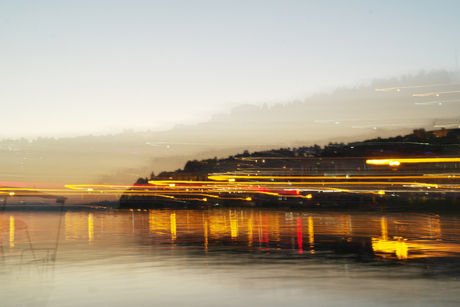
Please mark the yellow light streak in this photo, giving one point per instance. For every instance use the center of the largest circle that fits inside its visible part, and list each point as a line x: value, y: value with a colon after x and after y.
x: 11, y: 231
x: 224, y: 177
x: 435, y: 93
x: 249, y: 184
x: 90, y: 227
x: 413, y: 86
x: 436, y: 102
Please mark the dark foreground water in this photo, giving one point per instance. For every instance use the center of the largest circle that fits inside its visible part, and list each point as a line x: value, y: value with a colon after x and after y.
x: 229, y: 258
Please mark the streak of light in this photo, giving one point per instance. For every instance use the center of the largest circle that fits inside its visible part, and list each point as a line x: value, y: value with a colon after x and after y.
x: 158, y: 144
x: 223, y: 177
x: 85, y: 186
x: 325, y: 121
x: 397, y: 161
x: 387, y: 125
x: 435, y: 93
x: 435, y: 102
x: 286, y: 186
x: 413, y: 86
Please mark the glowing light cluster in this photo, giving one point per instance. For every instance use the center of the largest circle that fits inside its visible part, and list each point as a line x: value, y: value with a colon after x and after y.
x: 395, y: 162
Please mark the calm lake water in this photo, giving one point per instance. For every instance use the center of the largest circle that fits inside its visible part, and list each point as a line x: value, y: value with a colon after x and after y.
x: 228, y: 257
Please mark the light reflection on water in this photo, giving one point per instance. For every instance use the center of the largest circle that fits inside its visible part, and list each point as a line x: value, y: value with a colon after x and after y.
x: 228, y: 257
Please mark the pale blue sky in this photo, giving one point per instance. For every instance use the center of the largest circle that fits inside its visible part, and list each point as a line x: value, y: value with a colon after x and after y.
x: 78, y: 67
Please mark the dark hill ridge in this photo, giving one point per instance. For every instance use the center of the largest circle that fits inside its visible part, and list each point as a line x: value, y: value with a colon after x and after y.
x: 421, y: 143
x: 336, y: 176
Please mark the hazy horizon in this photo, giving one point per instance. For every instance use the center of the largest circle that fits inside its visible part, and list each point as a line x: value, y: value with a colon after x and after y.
x: 101, y: 67
x: 235, y: 108
x: 213, y: 78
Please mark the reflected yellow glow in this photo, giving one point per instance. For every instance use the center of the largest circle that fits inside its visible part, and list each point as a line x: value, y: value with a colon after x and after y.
x: 11, y: 231
x: 274, y: 229
x: 384, y: 228
x: 249, y: 226
x: 384, y: 245
x: 173, y: 226
x: 233, y: 224
x: 345, y: 226
x: 151, y: 221
x: 311, y: 233
x: 398, y: 247
x: 435, y: 227
x: 90, y: 227
x: 76, y: 226
x: 205, y: 225
x: 160, y: 222
x: 401, y: 236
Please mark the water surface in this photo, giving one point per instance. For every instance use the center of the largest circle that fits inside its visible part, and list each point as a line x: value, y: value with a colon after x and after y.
x: 228, y: 257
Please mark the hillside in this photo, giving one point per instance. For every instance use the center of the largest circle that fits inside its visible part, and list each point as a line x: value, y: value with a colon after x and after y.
x: 385, y: 108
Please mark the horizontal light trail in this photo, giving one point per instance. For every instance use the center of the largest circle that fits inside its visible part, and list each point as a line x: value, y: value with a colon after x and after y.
x: 413, y: 86
x: 436, y: 102
x: 244, y: 187
x: 227, y: 177
x: 397, y: 161
x: 434, y: 93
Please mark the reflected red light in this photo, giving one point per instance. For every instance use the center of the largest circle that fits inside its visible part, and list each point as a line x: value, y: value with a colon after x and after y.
x: 299, y: 235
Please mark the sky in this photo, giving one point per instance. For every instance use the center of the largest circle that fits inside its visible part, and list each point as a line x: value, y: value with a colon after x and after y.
x: 73, y: 68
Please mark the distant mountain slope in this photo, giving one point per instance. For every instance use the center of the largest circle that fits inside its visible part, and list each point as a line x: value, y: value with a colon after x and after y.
x: 386, y: 107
